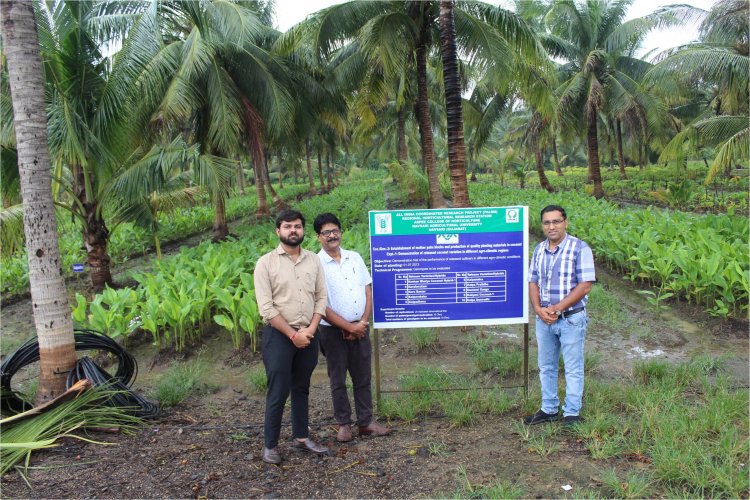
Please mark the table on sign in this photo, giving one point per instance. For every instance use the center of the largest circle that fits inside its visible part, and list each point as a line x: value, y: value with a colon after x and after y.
x: 451, y: 288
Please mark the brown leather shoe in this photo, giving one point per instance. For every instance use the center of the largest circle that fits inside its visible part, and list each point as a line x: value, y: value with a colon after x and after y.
x: 374, y: 429
x: 271, y: 456
x: 310, y: 446
x: 345, y: 433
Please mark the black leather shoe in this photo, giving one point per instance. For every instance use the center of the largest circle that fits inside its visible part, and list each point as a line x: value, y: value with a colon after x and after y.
x: 540, y: 417
x: 271, y: 456
x: 310, y: 446
x: 571, y: 420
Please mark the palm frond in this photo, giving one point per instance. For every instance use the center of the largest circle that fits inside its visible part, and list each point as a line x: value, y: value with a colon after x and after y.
x: 736, y: 147
x: 11, y: 230
x: 701, y: 62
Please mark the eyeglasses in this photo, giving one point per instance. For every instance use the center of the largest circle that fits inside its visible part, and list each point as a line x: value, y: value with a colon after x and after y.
x: 553, y: 222
x: 331, y: 232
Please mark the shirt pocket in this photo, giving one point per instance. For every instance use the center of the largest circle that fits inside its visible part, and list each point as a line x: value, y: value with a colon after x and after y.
x: 308, y: 281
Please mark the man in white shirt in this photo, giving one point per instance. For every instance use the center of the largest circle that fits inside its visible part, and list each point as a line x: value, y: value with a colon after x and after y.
x: 344, y: 333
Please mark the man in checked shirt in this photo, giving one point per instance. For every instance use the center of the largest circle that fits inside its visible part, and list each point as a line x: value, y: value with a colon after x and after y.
x: 560, y: 277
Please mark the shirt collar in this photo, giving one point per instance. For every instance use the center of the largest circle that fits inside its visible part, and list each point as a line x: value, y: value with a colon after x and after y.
x: 559, y: 245
x: 327, y: 258
x: 280, y: 250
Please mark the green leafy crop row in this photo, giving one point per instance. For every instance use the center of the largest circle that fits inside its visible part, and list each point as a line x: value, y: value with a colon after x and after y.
x: 212, y: 283
x: 701, y: 259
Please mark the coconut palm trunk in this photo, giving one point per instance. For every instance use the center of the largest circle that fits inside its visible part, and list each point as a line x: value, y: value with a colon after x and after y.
x: 402, y: 154
x: 453, y: 105
x: 320, y: 173
x: 620, y: 156
x: 329, y: 172
x: 310, y: 176
x: 220, y: 229
x: 240, y: 177
x: 52, y: 319
x: 543, y: 180
x: 536, y: 126
x: 425, y: 122
x: 260, y: 189
x: 96, y: 240
x: 595, y: 172
x: 267, y: 179
x: 558, y: 170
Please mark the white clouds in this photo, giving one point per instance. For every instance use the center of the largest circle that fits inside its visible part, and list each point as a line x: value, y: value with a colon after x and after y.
x: 291, y: 12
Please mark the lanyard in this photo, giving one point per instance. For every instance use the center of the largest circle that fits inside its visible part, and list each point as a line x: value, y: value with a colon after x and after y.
x: 546, y: 282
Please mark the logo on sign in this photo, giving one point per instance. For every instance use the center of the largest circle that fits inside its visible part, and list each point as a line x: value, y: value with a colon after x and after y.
x: 383, y: 224
x: 446, y: 239
x: 77, y: 268
x: 512, y: 215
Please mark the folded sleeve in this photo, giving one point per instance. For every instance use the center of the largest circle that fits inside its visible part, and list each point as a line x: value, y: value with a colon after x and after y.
x: 585, y: 270
x: 321, y: 292
x: 263, y: 295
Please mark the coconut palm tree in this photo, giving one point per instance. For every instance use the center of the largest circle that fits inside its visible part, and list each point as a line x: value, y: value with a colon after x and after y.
x: 719, y: 66
x: 392, y: 34
x: 54, y: 324
x: 596, y: 43
x: 204, y: 67
x: 453, y: 105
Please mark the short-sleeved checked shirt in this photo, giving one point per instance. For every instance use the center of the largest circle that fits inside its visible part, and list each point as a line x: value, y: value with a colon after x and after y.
x: 346, y: 281
x: 559, y: 272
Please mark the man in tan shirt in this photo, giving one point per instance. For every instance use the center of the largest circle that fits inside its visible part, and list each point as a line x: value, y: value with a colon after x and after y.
x: 290, y: 288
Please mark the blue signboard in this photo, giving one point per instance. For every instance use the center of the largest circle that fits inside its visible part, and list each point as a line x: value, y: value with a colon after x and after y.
x: 77, y: 268
x: 452, y: 267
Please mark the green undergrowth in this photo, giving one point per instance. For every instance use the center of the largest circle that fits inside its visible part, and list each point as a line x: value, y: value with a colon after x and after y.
x: 424, y: 338
x: 209, y: 285
x: 434, y: 392
x: 499, y: 489
x: 128, y: 240
x: 180, y: 381
x: 685, y: 422
x: 672, y: 255
x: 684, y: 427
x: 498, y: 359
x: 256, y: 378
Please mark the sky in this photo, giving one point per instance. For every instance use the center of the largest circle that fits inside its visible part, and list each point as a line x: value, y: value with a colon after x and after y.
x: 290, y: 12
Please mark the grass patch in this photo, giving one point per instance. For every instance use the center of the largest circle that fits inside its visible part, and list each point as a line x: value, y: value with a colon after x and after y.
x: 610, y: 314
x: 494, y: 358
x: 633, y: 485
x: 256, y: 377
x: 181, y: 380
x: 544, y: 442
x: 500, y: 489
x: 710, y: 365
x: 429, y: 394
x: 423, y: 338
x: 687, y: 421
x: 438, y: 449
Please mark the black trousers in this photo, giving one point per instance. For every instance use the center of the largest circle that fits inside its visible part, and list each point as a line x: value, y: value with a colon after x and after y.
x: 354, y: 356
x: 288, y: 369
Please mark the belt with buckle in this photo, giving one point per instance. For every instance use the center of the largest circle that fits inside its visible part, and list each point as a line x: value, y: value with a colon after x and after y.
x: 565, y: 314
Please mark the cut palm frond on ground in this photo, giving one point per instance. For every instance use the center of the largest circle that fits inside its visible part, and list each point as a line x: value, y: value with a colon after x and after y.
x: 76, y: 410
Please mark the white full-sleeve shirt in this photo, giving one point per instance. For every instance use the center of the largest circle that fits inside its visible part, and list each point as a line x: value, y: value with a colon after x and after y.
x: 345, y: 282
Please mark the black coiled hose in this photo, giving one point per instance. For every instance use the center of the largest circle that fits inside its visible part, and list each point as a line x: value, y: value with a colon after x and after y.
x: 85, y: 340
